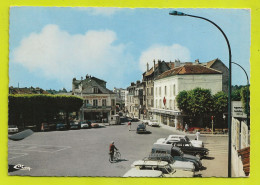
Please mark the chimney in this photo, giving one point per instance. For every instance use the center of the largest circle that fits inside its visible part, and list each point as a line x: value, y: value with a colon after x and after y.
x: 147, y: 67
x: 153, y: 64
x: 177, y: 63
x: 138, y: 82
x: 197, y: 61
x: 132, y: 83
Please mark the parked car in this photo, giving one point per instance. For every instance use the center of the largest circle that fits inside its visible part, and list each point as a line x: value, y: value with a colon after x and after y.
x: 134, y: 172
x: 195, y: 143
x: 12, y: 129
x: 145, y: 122
x: 85, y: 124
x: 153, y: 123
x: 61, y: 126
x: 95, y: 125
x: 162, y: 166
x: 45, y: 127
x: 135, y: 120
x: 74, y: 125
x: 177, y: 154
x: 141, y: 129
x: 180, y: 165
x: 187, y: 148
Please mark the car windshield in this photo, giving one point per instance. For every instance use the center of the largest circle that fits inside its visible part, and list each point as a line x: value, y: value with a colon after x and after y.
x: 12, y: 126
x: 141, y: 126
x: 187, y: 139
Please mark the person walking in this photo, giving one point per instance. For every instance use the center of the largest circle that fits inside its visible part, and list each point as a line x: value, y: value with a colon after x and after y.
x: 112, y: 149
x: 129, y: 125
x: 197, y: 135
x: 186, y: 127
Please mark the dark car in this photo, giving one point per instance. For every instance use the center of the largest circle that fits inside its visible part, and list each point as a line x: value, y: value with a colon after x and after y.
x: 61, y: 126
x: 187, y: 148
x: 177, y: 154
x: 141, y: 129
x: 135, y: 120
x: 74, y: 125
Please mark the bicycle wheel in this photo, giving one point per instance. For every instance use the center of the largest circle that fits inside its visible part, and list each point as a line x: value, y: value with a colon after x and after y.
x: 117, y: 155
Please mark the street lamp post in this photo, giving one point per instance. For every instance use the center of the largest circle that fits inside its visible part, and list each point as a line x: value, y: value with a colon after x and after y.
x: 247, y: 92
x: 176, y: 13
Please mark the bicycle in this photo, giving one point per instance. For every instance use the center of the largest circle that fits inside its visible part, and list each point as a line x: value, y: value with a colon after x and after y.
x: 116, y: 157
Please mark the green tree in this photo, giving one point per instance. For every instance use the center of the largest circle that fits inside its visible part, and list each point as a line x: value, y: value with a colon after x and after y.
x: 220, y: 104
x: 196, y: 103
x: 182, y: 102
x: 236, y: 95
x: 200, y: 101
x: 243, y: 94
x: 32, y: 109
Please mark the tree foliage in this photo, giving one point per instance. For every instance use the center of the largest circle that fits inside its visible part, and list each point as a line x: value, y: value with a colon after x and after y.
x: 199, y: 105
x: 243, y: 94
x: 36, y: 108
x: 220, y: 104
x: 195, y: 102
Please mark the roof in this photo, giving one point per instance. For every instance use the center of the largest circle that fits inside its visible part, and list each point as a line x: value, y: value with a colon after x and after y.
x: 25, y: 90
x: 188, y: 70
x: 148, y: 73
x: 210, y: 63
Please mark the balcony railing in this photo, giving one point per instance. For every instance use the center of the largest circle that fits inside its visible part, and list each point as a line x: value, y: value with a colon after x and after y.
x: 96, y: 107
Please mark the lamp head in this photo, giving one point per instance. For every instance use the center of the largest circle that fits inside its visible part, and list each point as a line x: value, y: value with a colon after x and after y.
x: 173, y: 12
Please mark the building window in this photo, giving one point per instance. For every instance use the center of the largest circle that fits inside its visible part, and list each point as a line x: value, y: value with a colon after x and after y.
x: 174, y: 90
x: 156, y: 103
x: 104, y: 102
x: 95, y: 103
x: 151, y: 103
x: 165, y: 90
x: 160, y: 103
x: 160, y: 91
x: 95, y: 90
x: 170, y: 104
x: 156, y: 91
x: 152, y: 91
x: 113, y: 102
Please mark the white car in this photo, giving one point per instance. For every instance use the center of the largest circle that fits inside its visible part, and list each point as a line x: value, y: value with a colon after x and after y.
x: 153, y: 123
x: 12, y: 129
x: 134, y: 172
x: 177, y: 165
x: 195, y: 143
x: 162, y: 166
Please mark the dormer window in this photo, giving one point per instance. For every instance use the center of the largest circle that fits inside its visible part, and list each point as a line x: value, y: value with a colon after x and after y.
x: 95, y: 90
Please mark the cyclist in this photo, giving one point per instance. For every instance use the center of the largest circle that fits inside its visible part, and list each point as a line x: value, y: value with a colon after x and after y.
x: 112, y: 148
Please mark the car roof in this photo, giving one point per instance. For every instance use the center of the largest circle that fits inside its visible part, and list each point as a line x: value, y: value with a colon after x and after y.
x: 149, y: 163
x: 133, y: 172
x: 163, y: 147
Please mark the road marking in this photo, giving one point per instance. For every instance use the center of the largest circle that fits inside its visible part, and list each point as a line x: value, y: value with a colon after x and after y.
x: 19, y: 155
x: 37, y: 148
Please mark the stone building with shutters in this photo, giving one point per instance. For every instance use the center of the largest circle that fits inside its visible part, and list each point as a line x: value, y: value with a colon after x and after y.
x: 99, y: 102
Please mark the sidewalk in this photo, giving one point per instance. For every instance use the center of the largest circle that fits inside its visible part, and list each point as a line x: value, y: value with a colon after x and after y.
x: 190, y: 134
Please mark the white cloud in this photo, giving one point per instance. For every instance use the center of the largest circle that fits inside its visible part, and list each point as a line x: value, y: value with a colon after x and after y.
x: 161, y: 52
x: 56, y: 54
x: 105, y: 11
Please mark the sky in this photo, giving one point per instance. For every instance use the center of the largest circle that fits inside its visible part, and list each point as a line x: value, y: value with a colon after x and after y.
x: 49, y: 46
